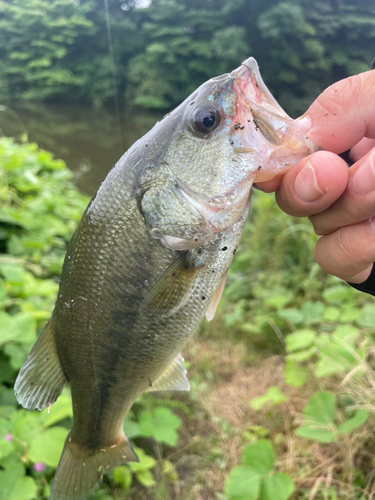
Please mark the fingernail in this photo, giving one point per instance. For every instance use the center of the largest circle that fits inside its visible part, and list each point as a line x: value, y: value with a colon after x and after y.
x: 304, y: 124
x: 363, y: 181
x: 306, y: 184
x: 372, y: 223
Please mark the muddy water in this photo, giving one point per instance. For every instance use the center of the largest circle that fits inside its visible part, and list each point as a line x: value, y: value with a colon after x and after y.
x: 89, y: 141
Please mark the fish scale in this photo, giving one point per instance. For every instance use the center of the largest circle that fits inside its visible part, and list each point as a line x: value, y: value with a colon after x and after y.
x: 148, y: 261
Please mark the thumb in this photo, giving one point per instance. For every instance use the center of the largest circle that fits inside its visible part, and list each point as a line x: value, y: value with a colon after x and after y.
x: 343, y: 114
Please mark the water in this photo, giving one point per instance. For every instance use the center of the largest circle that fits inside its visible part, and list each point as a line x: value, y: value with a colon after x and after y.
x: 87, y: 140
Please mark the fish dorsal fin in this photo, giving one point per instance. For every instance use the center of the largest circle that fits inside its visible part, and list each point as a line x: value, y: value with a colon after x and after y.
x: 173, y: 378
x: 172, y: 290
x: 210, y: 313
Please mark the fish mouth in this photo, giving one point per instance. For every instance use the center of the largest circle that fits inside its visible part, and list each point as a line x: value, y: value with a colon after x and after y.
x: 263, y: 130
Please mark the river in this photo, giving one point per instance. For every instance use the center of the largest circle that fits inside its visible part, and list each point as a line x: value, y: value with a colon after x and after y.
x: 89, y: 141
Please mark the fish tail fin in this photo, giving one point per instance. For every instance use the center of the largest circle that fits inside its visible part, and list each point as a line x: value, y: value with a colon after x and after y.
x: 80, y: 471
x: 41, y: 378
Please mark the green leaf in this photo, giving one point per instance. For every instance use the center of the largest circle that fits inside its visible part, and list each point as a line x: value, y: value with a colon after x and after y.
x: 259, y: 456
x: 301, y: 339
x: 312, y: 311
x: 337, y: 293
x: 359, y: 418
x: 6, y: 447
x: 294, y: 374
x: 7, y: 328
x: 316, y: 434
x: 131, y: 428
x: 124, y: 476
x: 10, y: 476
x: 25, y: 489
x: 60, y: 410
x: 145, y: 462
x: 292, y: 315
x: 12, y: 273
x: 273, y: 396
x: 367, y: 317
x: 278, y: 302
x: 47, y: 447
x: 331, y: 314
x: 243, y: 483
x: 277, y: 486
x: 321, y: 408
x: 161, y: 424
x: 146, y: 478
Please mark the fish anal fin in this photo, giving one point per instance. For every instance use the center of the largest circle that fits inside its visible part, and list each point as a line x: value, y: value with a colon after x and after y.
x: 210, y: 313
x: 80, y: 471
x: 173, y: 378
x: 41, y: 378
x: 172, y: 289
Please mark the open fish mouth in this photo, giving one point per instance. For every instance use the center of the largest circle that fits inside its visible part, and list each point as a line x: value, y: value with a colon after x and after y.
x: 263, y: 129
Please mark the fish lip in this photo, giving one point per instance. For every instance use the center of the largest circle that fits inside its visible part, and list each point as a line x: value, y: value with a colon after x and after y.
x: 249, y: 72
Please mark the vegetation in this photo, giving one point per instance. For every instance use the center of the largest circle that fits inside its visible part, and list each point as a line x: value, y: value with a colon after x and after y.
x: 58, y: 50
x: 281, y: 405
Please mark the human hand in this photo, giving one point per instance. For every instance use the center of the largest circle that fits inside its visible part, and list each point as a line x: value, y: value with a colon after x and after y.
x: 339, y: 201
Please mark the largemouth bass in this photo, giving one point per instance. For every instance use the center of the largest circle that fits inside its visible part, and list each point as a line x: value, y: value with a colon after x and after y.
x: 148, y: 261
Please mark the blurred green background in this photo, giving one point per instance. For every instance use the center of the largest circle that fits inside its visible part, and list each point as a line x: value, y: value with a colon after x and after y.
x: 282, y: 398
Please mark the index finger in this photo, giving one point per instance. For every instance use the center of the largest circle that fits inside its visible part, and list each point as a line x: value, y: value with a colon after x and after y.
x: 343, y: 114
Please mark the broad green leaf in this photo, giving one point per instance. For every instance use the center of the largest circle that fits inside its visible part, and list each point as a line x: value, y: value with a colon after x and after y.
x: 7, y: 328
x: 304, y: 355
x: 145, y: 462
x: 131, y: 428
x: 259, y: 456
x: 12, y: 273
x: 276, y: 486
x: 243, y: 483
x: 60, y: 410
x: 124, y: 476
x: 312, y: 311
x: 25, y: 489
x: 7, y: 397
x: 6, y: 447
x: 47, y: 446
x: 321, y: 408
x: 161, y: 424
x: 331, y: 314
x: 367, y: 317
x: 26, y: 326
x: 294, y: 374
x: 273, y: 396
x: 359, y: 418
x: 13, y: 471
x: 337, y: 293
x: 29, y: 425
x: 145, y: 478
x: 293, y: 315
x: 316, y: 434
x: 301, y: 339
x: 278, y: 302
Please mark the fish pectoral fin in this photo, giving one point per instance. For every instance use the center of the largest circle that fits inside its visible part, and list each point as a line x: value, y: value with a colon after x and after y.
x: 173, y: 378
x: 41, y: 378
x: 172, y: 290
x: 211, y: 309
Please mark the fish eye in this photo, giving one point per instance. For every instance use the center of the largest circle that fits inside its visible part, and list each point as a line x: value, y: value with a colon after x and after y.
x: 206, y: 120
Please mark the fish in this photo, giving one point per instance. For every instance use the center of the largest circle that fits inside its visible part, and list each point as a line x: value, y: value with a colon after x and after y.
x: 148, y: 261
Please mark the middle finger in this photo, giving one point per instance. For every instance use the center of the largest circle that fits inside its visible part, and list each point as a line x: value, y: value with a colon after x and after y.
x: 357, y: 202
